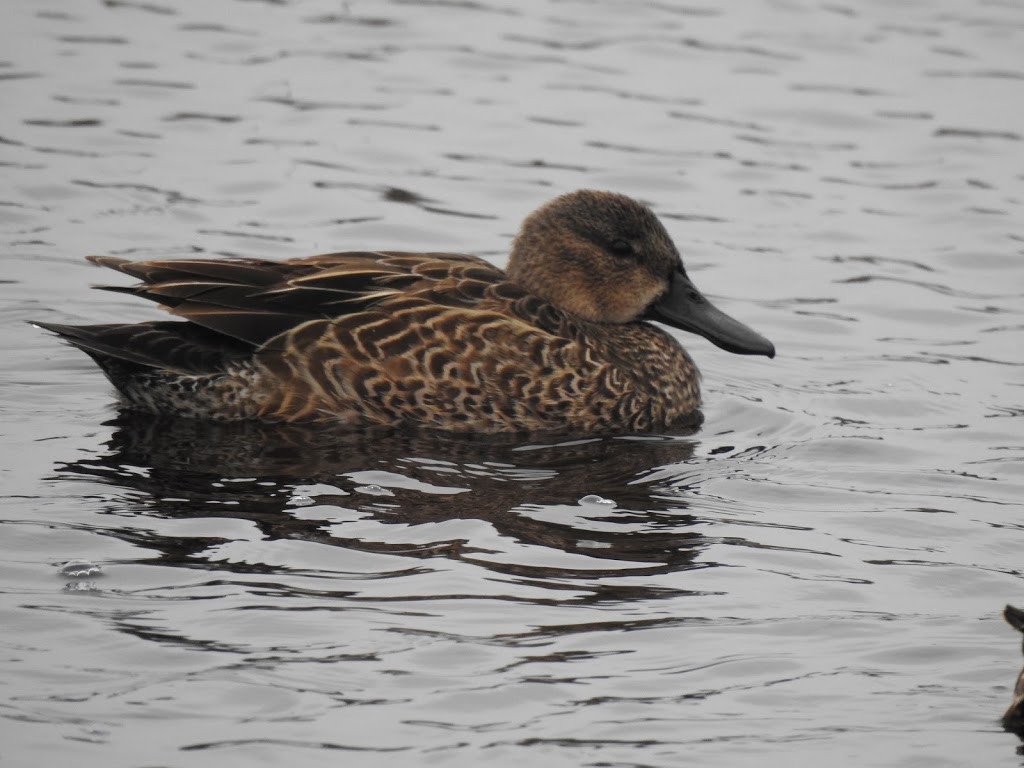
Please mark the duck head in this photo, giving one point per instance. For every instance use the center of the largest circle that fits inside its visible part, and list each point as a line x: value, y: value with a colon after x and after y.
x: 608, y: 259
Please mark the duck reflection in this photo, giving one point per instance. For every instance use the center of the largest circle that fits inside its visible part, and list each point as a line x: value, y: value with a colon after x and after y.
x: 585, y: 497
x: 1013, y: 720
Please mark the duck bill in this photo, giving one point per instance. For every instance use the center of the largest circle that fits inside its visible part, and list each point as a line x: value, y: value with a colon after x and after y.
x: 685, y: 307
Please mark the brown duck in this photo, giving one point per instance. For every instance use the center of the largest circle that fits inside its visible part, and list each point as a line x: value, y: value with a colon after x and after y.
x: 1013, y: 719
x: 558, y: 342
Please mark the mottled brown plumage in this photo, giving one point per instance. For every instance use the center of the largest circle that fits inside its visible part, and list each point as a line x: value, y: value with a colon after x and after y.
x: 440, y: 340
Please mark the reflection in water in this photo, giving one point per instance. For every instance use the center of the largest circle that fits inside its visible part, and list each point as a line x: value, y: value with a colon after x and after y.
x: 585, y: 497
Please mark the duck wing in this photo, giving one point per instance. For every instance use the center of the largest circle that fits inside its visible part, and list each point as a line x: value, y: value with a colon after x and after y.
x: 253, y: 301
x: 234, y: 307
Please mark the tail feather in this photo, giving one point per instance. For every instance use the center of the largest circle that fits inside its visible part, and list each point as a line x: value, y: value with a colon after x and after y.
x: 169, y: 346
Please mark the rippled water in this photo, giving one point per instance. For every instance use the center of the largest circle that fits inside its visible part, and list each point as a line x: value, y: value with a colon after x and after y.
x: 816, y: 575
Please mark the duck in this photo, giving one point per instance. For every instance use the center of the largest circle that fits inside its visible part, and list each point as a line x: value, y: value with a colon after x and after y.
x: 568, y: 338
x: 1013, y: 718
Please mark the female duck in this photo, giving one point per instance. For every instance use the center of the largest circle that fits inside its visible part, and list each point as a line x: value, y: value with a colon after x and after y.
x: 559, y: 342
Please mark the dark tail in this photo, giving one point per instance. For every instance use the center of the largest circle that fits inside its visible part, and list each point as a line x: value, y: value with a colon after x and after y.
x: 167, y: 346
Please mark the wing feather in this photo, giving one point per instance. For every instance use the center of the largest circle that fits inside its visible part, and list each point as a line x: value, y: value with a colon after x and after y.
x: 253, y: 300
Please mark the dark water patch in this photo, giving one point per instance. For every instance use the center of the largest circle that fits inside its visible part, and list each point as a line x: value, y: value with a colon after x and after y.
x: 17, y: 243
x: 218, y: 28
x: 629, y: 95
x: 639, y: 149
x: 94, y: 39
x: 7, y: 76
x: 97, y: 101
x: 334, y: 166
x: 563, y: 45
x: 425, y: 88
x: 977, y: 359
x: 462, y: 214
x: 828, y: 316
x: 403, y: 196
x: 881, y: 212
x: 846, y: 90
x: 272, y: 142
x: 160, y: 10
x: 938, y: 288
x: 84, y: 122
x: 396, y: 195
x: 987, y: 211
x: 230, y: 744
x: 467, y: 5
x: 945, y: 50
x: 202, y: 117
x: 745, y: 50
x: 556, y: 121
x: 138, y: 82
x: 13, y: 204
x: 510, y: 163
x: 685, y: 10
x: 397, y: 124
x: 248, y: 235
x: 778, y: 193
x: 725, y: 122
x: 978, y: 134
x: 170, y: 196
x: 882, y: 260
x: 349, y: 18
x: 140, y: 135
x: 746, y: 162
x: 326, y: 222
x: 243, y: 61
x: 911, y: 31
x: 306, y: 105
x: 56, y: 15
x: 693, y: 217
x: 982, y: 74
x: 879, y: 164
x: 905, y: 115
x: 69, y: 152
x: 830, y: 146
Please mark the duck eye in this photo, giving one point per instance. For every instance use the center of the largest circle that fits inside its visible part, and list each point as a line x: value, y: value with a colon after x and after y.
x: 621, y: 248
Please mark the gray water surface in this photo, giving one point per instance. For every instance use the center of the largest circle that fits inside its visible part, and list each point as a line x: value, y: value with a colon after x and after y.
x: 813, y: 578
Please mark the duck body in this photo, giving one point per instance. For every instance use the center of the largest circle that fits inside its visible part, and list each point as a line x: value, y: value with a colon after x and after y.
x: 559, y: 343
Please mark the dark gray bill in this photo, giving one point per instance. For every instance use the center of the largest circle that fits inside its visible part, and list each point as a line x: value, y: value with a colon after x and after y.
x: 685, y: 307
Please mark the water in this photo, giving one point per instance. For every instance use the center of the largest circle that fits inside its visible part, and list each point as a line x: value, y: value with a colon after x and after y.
x: 817, y: 575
